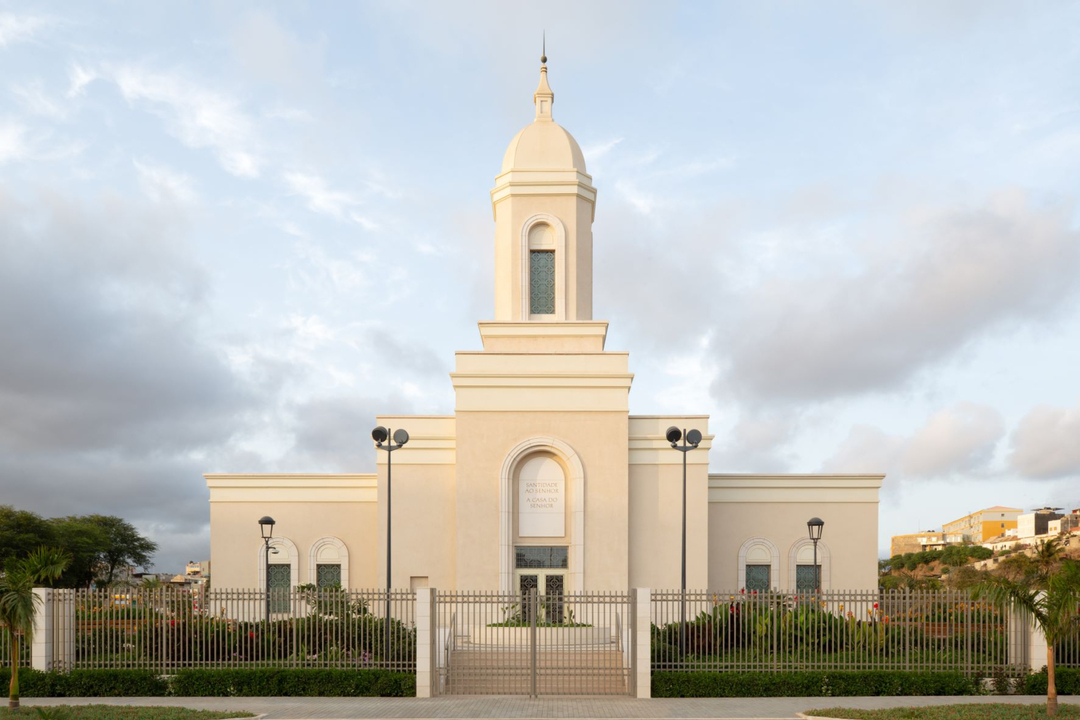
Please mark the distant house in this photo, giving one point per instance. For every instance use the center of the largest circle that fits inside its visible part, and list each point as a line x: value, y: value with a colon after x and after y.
x: 917, y: 542
x: 981, y: 525
x: 1036, y: 524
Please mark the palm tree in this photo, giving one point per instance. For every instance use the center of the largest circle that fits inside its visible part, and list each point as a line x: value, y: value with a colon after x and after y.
x: 151, y: 582
x: 18, y: 601
x: 1048, y: 553
x: 1052, y: 599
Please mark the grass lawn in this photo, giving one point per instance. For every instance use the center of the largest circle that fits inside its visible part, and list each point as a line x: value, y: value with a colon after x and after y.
x: 115, y: 712
x: 975, y: 711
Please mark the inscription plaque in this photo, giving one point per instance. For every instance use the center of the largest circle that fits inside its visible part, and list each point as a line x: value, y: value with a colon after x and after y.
x: 541, y: 499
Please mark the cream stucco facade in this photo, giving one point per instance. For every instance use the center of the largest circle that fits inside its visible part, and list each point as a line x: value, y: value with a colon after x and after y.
x: 541, y: 476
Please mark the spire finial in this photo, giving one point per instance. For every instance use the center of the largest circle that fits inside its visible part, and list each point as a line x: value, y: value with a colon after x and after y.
x: 543, y: 97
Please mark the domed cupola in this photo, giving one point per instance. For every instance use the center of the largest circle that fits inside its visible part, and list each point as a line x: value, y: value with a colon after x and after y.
x: 543, y: 144
x: 543, y: 202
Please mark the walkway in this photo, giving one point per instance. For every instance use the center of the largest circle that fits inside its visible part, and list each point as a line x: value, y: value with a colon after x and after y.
x: 517, y: 707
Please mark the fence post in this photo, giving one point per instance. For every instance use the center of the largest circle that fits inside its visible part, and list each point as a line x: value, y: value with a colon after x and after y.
x: 643, y: 642
x: 1036, y: 645
x: 42, y: 649
x: 424, y: 623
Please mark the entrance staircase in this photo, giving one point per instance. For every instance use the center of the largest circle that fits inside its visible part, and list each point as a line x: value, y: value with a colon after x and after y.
x: 593, y: 670
x: 589, y: 668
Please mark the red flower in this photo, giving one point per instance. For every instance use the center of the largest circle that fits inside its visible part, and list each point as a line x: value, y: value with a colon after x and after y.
x: 172, y: 622
x: 251, y: 633
x: 875, y: 606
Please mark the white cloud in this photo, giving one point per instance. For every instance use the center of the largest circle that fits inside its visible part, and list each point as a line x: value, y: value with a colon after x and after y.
x: 162, y: 184
x: 33, y: 97
x: 197, y: 116
x: 314, y: 269
x: 899, y: 305
x: 1046, y: 443
x: 14, y: 143
x: 20, y: 28
x: 867, y: 449
x: 78, y: 78
x: 956, y: 440
x: 597, y: 150
x: 320, y: 197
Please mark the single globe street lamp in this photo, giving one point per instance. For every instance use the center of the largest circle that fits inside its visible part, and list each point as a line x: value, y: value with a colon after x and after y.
x: 382, y: 438
x: 815, y: 526
x: 692, y: 440
x: 266, y: 528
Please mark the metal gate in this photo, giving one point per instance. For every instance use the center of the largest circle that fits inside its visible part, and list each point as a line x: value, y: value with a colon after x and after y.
x: 533, y: 644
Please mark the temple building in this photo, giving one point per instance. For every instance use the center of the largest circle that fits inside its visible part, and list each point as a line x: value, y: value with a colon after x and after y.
x: 541, y: 477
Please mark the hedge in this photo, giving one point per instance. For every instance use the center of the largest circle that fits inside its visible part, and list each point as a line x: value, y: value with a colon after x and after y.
x: 293, y: 683
x: 1066, y: 680
x: 838, y: 683
x: 88, y: 683
x: 213, y: 683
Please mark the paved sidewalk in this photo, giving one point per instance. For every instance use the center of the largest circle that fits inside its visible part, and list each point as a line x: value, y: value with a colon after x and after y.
x: 519, y: 707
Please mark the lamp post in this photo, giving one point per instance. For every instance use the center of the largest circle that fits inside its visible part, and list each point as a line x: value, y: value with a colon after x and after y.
x: 266, y: 528
x: 693, y: 439
x: 815, y: 525
x: 382, y: 436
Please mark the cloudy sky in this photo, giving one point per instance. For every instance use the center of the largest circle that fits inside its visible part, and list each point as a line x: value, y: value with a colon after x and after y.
x: 232, y: 233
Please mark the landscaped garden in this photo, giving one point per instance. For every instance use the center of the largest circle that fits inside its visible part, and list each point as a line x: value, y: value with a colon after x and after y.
x: 325, y: 627
x: 782, y: 631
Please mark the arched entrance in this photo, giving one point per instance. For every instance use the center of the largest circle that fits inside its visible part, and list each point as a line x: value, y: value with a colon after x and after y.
x: 548, y: 471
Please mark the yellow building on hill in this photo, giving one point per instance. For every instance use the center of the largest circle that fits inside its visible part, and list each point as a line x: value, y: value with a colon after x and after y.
x: 981, y: 525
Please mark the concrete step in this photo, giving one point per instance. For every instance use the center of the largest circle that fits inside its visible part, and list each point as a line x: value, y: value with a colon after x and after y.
x: 509, y: 672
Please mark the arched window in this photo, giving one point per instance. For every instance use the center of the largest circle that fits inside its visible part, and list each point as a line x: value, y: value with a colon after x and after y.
x: 328, y: 563
x: 802, y: 573
x: 759, y: 565
x: 541, y: 269
x: 283, y: 575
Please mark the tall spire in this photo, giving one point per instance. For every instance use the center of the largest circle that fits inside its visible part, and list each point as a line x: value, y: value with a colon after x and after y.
x: 543, y: 98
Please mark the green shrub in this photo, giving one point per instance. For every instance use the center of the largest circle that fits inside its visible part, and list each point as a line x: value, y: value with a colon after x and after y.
x: 88, y: 683
x: 838, y: 683
x: 211, y: 683
x: 1067, y: 681
x: 293, y: 683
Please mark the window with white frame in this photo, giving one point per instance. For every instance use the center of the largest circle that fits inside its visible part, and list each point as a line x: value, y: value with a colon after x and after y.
x: 329, y: 563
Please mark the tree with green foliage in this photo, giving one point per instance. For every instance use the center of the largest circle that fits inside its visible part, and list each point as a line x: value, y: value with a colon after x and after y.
x: 18, y: 601
x: 83, y: 542
x: 123, y: 545
x: 98, y: 544
x: 21, y: 532
x: 1052, y: 596
x: 1048, y: 554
